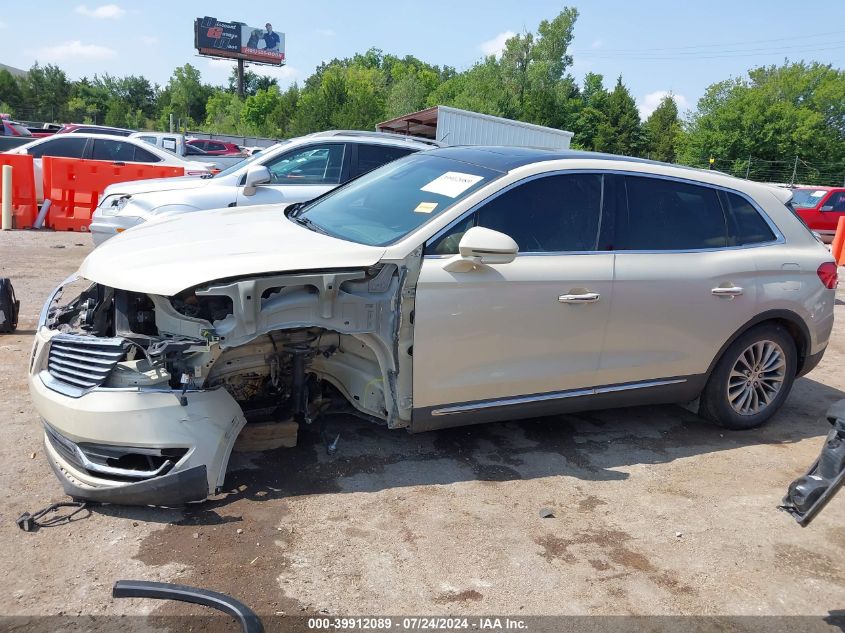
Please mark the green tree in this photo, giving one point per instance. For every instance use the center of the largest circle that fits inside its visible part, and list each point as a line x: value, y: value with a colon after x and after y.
x: 10, y: 92
x: 223, y: 113
x: 257, y: 110
x: 662, y: 129
x: 46, y: 91
x: 621, y: 132
x: 774, y: 115
x: 185, y: 96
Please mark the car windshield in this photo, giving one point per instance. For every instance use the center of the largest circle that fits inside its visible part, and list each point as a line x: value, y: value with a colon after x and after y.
x: 388, y: 203
x: 241, y: 164
x: 807, y: 198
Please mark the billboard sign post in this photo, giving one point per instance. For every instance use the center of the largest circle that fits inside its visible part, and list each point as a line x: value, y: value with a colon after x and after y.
x: 236, y: 40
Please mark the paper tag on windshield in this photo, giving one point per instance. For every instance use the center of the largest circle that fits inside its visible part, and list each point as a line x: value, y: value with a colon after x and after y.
x: 425, y: 207
x: 452, y: 183
x: 818, y: 194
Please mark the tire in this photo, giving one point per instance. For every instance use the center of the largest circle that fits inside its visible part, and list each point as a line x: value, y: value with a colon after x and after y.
x: 752, y: 379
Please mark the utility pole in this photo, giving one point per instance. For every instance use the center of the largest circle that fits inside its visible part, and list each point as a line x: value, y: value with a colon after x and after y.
x: 241, y: 78
x: 794, y: 172
x: 171, y: 123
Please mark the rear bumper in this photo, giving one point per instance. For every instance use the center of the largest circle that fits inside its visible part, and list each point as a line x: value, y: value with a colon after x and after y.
x: 811, y: 362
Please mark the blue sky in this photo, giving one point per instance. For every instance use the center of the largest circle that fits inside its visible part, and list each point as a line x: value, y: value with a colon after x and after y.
x: 657, y: 46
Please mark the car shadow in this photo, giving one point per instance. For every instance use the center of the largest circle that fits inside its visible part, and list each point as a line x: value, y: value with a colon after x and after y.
x: 591, y: 446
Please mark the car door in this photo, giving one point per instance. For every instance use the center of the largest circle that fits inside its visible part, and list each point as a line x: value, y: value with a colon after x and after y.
x: 529, y: 329
x: 301, y: 174
x: 831, y: 210
x: 682, y: 285
x: 64, y: 146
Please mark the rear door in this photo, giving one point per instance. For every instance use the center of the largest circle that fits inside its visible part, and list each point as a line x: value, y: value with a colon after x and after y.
x: 301, y: 174
x: 683, y: 285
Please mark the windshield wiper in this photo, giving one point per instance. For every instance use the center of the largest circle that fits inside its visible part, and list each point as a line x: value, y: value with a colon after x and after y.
x: 309, y: 224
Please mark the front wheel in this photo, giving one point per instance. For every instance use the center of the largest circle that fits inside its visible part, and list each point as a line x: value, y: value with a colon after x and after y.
x: 752, y: 379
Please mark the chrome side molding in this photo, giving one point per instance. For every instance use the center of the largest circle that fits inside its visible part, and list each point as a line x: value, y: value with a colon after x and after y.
x: 555, y: 395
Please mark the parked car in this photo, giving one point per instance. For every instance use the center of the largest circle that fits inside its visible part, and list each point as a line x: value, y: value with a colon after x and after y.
x: 89, y: 128
x: 216, y: 148
x: 450, y: 287
x: 820, y: 208
x: 292, y: 171
x: 10, y: 128
x: 103, y: 147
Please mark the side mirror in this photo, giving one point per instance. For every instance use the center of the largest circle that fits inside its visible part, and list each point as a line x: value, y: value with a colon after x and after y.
x: 255, y: 175
x: 480, y: 246
x: 827, y: 207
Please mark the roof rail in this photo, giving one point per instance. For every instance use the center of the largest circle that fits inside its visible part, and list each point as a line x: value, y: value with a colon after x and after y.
x: 390, y: 135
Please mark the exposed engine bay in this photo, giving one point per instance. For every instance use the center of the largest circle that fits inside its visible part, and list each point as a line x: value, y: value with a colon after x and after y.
x: 283, y: 346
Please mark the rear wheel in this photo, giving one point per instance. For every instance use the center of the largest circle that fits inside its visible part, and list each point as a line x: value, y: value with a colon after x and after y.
x: 752, y: 379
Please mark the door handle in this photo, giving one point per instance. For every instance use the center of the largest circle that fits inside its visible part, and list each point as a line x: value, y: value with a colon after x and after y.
x: 587, y: 297
x: 730, y: 291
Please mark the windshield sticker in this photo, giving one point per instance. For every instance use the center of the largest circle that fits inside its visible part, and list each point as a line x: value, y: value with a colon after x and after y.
x: 425, y: 207
x: 451, y: 184
x: 818, y: 194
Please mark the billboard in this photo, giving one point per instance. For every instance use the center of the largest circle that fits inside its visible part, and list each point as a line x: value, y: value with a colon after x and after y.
x: 237, y: 40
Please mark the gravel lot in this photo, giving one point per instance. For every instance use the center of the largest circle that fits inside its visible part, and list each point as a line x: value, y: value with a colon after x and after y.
x: 655, y: 511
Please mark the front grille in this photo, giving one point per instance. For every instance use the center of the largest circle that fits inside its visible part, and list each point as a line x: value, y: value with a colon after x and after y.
x: 83, y: 361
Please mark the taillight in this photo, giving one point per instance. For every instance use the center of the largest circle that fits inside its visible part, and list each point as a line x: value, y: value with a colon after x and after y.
x: 829, y: 275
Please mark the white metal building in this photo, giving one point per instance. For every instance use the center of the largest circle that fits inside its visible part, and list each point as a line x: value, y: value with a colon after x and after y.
x: 453, y: 126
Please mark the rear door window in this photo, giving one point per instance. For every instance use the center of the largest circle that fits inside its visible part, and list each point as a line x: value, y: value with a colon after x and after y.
x: 115, y: 151
x: 668, y: 215
x: 372, y: 156
x: 64, y: 147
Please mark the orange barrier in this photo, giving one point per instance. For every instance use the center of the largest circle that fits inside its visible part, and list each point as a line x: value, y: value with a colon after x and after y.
x: 73, y: 186
x: 838, y: 243
x: 24, y: 201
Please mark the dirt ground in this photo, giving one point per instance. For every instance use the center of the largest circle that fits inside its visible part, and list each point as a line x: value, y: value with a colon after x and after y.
x: 656, y: 512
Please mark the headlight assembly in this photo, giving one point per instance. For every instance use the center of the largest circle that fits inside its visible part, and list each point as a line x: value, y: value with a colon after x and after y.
x: 113, y: 204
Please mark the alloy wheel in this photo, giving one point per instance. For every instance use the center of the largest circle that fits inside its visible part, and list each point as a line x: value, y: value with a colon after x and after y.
x: 756, y: 377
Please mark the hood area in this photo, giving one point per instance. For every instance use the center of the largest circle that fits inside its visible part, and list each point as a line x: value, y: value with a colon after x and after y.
x: 135, y: 187
x: 180, y: 252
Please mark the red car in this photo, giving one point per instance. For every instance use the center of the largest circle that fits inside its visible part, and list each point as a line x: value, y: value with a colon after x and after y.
x: 215, y: 148
x: 820, y: 208
x: 10, y: 128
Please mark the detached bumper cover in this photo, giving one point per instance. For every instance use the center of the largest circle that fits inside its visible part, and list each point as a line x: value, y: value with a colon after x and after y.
x: 168, y: 490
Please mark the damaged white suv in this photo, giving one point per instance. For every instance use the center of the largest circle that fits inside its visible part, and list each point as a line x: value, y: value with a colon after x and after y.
x: 451, y: 287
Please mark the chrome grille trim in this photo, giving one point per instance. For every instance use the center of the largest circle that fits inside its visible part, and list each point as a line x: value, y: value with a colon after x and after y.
x: 84, y: 362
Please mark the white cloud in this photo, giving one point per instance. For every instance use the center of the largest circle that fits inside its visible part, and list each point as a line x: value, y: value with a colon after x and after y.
x: 103, y: 12
x: 325, y: 32
x: 597, y: 43
x: 497, y: 44
x: 649, y: 103
x: 74, y: 50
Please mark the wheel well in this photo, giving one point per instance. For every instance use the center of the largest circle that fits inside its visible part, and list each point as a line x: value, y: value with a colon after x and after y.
x: 801, y: 342
x: 788, y: 320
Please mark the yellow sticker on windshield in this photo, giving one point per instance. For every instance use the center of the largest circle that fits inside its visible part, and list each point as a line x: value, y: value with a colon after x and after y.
x: 425, y: 207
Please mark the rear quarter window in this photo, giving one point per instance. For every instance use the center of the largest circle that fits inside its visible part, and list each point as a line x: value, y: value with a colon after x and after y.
x: 746, y: 225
